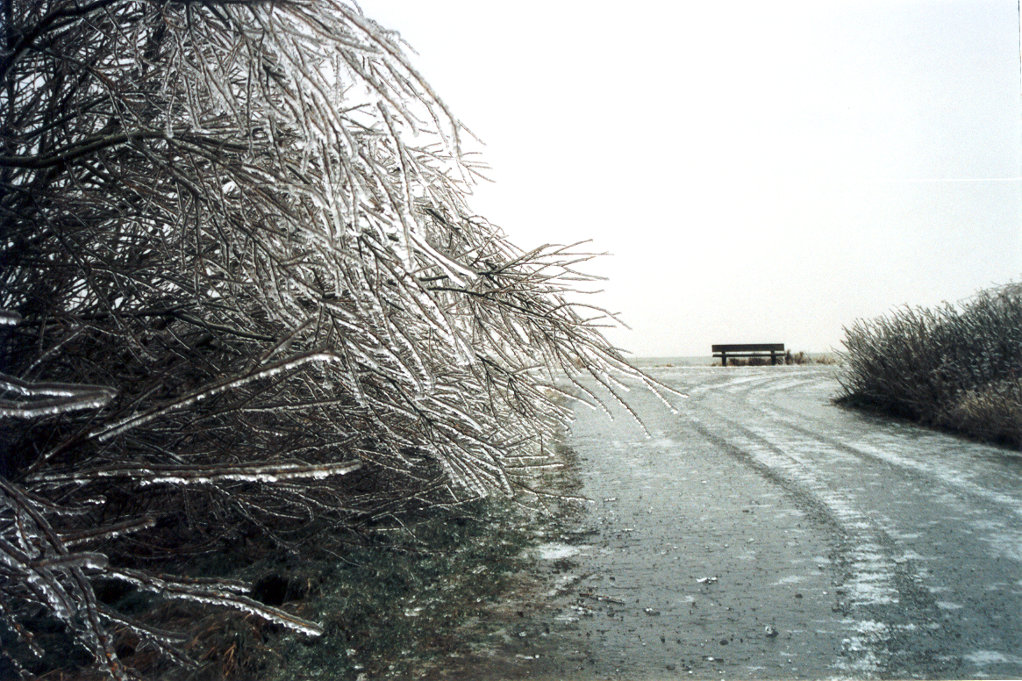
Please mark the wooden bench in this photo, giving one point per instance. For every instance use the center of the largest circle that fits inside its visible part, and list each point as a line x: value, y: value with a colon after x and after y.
x: 764, y: 350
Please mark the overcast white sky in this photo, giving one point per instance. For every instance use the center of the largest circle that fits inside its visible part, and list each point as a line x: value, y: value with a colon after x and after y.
x: 759, y: 171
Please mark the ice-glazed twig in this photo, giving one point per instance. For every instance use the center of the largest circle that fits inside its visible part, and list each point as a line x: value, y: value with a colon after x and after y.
x: 195, y: 474
x: 40, y: 399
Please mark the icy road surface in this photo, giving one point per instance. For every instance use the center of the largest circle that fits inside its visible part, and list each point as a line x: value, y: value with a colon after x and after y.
x: 763, y: 532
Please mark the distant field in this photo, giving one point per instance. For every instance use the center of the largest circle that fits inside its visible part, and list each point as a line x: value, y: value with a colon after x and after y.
x: 709, y: 360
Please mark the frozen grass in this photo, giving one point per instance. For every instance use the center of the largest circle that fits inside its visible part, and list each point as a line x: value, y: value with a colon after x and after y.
x: 953, y: 367
x: 391, y: 605
x: 390, y: 600
x: 396, y: 599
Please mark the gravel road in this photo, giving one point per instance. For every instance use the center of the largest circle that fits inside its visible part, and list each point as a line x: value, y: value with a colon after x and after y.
x: 762, y: 532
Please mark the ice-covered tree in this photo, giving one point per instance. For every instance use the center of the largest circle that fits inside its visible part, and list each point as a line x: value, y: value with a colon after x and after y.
x: 242, y: 292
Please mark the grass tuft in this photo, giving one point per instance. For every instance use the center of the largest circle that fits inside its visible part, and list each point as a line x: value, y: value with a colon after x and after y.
x: 952, y: 367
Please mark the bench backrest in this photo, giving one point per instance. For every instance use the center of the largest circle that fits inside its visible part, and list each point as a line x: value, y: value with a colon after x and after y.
x: 750, y: 347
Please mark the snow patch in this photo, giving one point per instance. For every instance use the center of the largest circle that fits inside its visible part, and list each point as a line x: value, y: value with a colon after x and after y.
x: 982, y: 658
x: 556, y: 551
x: 790, y: 579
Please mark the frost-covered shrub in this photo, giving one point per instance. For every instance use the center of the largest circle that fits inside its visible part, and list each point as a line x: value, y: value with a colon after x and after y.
x: 956, y: 367
x: 992, y: 411
x: 243, y: 296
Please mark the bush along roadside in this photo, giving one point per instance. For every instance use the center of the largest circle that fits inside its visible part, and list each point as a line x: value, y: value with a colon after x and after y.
x: 953, y: 367
x: 244, y: 305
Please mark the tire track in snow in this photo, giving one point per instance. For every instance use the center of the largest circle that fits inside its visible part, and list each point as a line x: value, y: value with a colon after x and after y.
x: 928, y: 471
x: 728, y: 384
x: 1003, y: 535
x: 965, y: 486
x: 872, y: 581
x: 951, y: 480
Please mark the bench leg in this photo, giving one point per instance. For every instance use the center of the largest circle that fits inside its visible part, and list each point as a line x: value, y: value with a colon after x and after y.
x: 723, y: 359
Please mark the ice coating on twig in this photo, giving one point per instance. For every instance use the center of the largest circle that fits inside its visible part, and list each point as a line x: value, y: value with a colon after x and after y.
x: 204, y: 475
x: 214, y: 594
x: 49, y: 399
x: 9, y: 318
